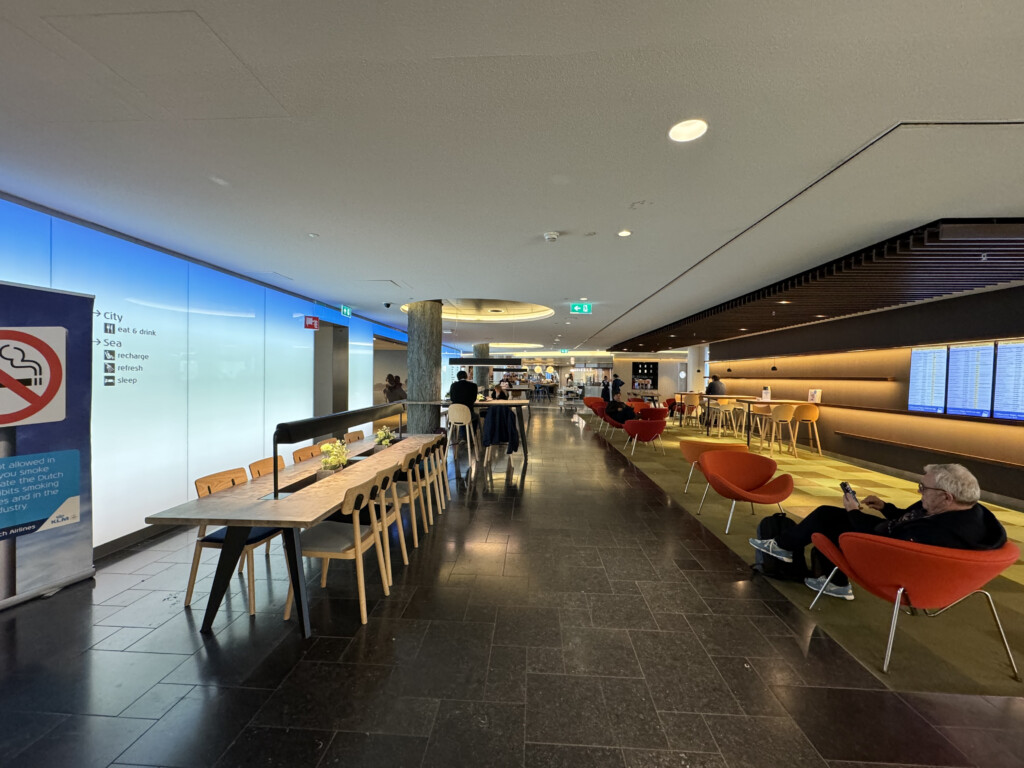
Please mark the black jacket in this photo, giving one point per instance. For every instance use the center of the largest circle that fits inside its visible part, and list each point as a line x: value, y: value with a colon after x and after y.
x: 974, y: 528
x: 500, y: 427
x: 464, y: 392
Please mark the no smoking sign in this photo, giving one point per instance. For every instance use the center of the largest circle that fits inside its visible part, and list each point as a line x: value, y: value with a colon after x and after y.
x: 32, y: 365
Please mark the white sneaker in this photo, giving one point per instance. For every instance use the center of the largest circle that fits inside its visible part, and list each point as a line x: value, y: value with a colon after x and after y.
x: 769, y: 547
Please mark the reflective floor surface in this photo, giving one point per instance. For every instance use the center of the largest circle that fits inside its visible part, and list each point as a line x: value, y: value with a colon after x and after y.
x: 563, y: 614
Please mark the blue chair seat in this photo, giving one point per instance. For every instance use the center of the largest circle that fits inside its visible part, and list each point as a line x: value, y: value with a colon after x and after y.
x: 256, y: 535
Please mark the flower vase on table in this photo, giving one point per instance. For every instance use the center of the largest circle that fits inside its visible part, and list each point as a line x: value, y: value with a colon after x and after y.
x: 383, y: 438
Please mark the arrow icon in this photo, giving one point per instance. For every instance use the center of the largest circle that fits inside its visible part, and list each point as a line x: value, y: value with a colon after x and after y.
x: 96, y: 342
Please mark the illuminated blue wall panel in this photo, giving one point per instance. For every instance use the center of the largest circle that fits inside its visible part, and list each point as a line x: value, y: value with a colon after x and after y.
x: 360, y: 366
x: 225, y: 371
x: 138, y: 371
x: 24, y: 245
x: 288, y: 366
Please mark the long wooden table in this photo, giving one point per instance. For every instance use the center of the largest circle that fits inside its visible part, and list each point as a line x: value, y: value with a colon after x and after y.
x: 252, y: 505
x: 750, y: 401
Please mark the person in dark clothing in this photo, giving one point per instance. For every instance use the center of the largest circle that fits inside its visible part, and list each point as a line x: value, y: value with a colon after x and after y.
x: 715, y: 387
x: 606, y: 394
x: 398, y: 391
x: 616, y: 384
x: 464, y: 392
x: 948, y: 515
x: 618, y: 410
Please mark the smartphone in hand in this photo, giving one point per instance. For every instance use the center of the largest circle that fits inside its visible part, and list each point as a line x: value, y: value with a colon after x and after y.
x: 848, y: 489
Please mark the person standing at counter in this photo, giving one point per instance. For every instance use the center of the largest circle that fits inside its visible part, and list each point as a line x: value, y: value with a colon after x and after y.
x: 715, y: 387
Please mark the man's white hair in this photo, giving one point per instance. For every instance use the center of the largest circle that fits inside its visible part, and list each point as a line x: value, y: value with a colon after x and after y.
x: 957, y: 481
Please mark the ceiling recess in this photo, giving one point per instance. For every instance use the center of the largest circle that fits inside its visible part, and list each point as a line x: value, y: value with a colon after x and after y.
x: 945, y: 258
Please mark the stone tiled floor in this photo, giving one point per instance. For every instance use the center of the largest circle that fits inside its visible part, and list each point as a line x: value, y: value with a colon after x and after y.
x: 567, y: 615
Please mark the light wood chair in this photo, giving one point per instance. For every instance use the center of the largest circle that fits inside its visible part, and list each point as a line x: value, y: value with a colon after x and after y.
x: 460, y: 416
x: 305, y: 454
x: 322, y: 443
x: 265, y: 466
x: 720, y: 411
x: 351, y: 437
x: 408, y: 489
x: 390, y: 514
x: 691, y: 410
x: 212, y: 484
x: 808, y: 414
x: 782, y: 415
x: 346, y: 541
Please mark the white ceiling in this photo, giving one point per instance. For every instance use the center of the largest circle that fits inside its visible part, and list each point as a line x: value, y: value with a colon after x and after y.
x: 430, y: 145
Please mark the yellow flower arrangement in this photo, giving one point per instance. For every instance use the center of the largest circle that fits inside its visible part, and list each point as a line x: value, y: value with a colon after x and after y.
x: 335, y: 455
x: 384, y: 436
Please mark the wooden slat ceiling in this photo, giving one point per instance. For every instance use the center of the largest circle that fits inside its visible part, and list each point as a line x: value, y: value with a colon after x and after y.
x: 939, y: 260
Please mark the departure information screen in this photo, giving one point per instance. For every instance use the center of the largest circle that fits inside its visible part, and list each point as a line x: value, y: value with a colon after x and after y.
x: 1009, y: 394
x: 927, y: 379
x: 969, y: 381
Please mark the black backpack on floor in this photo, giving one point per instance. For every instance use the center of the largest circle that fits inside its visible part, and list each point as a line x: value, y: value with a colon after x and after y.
x: 769, y: 528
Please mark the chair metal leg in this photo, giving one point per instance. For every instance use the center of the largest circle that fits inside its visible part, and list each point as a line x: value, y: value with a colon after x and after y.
x: 892, y: 628
x: 999, y: 626
x: 703, y: 497
x: 822, y: 590
x: 729, y: 521
x: 689, y: 476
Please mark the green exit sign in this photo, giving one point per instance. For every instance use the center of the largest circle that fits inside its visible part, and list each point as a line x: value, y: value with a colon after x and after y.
x: 346, y: 311
x: 564, y: 351
x: 580, y: 309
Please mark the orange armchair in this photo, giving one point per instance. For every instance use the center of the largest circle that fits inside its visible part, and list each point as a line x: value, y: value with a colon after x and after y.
x: 693, y: 449
x: 917, y: 576
x: 745, y: 477
x: 644, y: 431
x: 653, y: 414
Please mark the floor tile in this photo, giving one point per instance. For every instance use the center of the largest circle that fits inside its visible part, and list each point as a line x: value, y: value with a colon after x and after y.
x: 277, y: 748
x: 563, y: 709
x: 594, y: 651
x: 561, y: 756
x: 763, y: 742
x: 82, y: 741
x: 476, y: 733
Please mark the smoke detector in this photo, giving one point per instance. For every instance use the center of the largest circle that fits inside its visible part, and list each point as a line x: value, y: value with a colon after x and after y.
x: 551, y: 236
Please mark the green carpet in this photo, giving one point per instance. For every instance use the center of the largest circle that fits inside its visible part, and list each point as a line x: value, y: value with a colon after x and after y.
x: 957, y: 652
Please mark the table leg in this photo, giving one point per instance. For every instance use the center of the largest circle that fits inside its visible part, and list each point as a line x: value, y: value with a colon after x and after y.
x: 293, y: 551
x: 234, y: 543
x: 750, y: 417
x: 522, y: 430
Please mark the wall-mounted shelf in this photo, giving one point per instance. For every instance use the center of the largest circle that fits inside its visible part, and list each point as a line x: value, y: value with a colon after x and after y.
x: 776, y: 377
x: 933, y: 449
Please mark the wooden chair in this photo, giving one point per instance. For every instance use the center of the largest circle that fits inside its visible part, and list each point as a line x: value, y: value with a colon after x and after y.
x: 808, y: 414
x: 265, y: 466
x: 390, y: 514
x: 720, y: 411
x: 212, y: 484
x: 408, y: 489
x: 690, y: 410
x: 346, y: 541
x: 782, y: 415
x: 305, y: 454
x: 351, y: 437
x: 460, y: 416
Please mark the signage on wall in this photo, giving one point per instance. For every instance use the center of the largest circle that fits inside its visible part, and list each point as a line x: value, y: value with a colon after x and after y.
x: 564, y: 351
x: 32, y: 363
x: 581, y: 309
x: 313, y: 323
x: 346, y: 311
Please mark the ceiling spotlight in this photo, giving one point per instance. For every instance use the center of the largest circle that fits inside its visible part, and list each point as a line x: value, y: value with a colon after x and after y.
x: 584, y: 298
x: 688, y: 130
x: 785, y: 301
x: 743, y: 329
x: 312, y: 235
x: 820, y: 316
x: 550, y: 236
x: 567, y: 322
x: 671, y: 335
x: 624, y: 233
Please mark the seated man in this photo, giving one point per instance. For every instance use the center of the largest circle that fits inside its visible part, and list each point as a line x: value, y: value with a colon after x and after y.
x: 948, y: 515
x: 618, y: 410
x: 464, y: 392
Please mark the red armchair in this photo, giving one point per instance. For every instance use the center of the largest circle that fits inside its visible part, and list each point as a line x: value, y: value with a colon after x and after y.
x: 917, y: 576
x: 745, y: 477
x: 644, y: 431
x: 652, y: 414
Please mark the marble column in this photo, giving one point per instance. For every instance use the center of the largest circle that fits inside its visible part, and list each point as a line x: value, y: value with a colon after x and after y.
x: 481, y: 373
x: 424, y: 366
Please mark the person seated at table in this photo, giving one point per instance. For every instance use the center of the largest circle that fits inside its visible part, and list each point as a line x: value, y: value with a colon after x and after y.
x: 715, y: 387
x: 947, y: 515
x: 499, y: 393
x: 464, y: 392
x: 618, y: 410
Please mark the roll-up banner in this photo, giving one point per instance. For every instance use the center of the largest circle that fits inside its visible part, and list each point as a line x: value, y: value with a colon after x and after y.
x: 45, y: 460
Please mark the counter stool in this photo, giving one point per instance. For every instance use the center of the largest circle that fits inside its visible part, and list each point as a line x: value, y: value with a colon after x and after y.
x: 782, y: 415
x: 460, y: 416
x: 720, y: 411
x: 690, y: 411
x: 808, y: 414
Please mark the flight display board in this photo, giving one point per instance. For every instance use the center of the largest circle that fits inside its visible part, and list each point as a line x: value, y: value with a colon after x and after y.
x: 927, y: 379
x: 1008, y: 402
x: 969, y: 380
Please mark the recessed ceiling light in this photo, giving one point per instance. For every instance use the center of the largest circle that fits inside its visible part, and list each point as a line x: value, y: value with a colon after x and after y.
x: 567, y: 322
x: 624, y: 233
x: 219, y: 181
x: 784, y: 301
x: 688, y: 130
x: 671, y: 335
x: 584, y: 298
x: 312, y: 235
x: 821, y: 315
x: 641, y: 343
x: 445, y: 331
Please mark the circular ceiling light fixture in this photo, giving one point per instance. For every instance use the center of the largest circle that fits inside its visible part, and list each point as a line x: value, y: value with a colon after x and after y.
x: 490, y: 311
x: 688, y: 130
x: 515, y: 345
x: 624, y: 233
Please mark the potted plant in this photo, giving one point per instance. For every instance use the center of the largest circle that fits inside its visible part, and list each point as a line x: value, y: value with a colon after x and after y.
x: 335, y: 457
x: 384, y: 436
